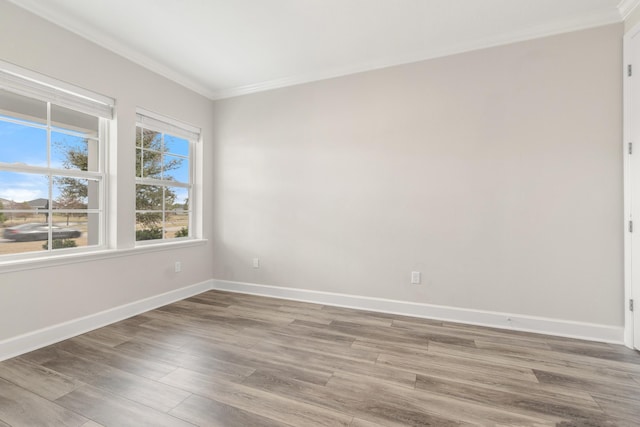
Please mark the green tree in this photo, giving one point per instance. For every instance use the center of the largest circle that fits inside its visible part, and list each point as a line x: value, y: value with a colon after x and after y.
x: 150, y: 164
x: 61, y: 244
x: 75, y: 157
x: 183, y: 232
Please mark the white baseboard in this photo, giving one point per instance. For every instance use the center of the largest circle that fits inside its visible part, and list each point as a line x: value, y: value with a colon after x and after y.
x: 588, y: 331
x: 33, y: 340
x: 541, y: 325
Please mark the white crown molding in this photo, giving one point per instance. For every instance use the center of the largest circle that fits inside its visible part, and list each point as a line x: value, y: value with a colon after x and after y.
x: 46, y: 11
x: 34, y: 340
x: 517, y: 322
x: 627, y: 6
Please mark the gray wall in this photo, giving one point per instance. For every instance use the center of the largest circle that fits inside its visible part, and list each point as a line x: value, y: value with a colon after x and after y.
x: 496, y: 173
x: 37, y: 298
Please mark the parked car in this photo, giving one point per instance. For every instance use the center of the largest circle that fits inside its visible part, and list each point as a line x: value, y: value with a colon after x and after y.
x: 38, y: 231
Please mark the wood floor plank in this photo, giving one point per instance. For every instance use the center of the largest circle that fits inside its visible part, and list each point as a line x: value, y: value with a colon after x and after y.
x: 42, y: 355
x: 206, y: 412
x: 250, y: 359
x: 387, y: 403
x: 228, y: 359
x: 106, y: 336
x: 606, y: 387
x: 20, y: 407
x: 269, y: 405
x: 517, y: 400
x: 359, y: 404
x: 619, y: 407
x: 508, y: 357
x: 38, y: 379
x: 317, y: 332
x: 195, y: 361
x: 404, y: 337
x: 165, y: 337
x: 575, y: 358
x: 359, y: 422
x: 202, y: 299
x: 182, y: 331
x: 471, y: 334
x: 112, y: 410
x: 111, y: 357
x: 136, y: 388
x: 421, y: 364
x: 252, y: 336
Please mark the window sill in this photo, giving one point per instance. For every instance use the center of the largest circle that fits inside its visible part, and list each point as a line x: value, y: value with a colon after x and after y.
x: 58, y: 260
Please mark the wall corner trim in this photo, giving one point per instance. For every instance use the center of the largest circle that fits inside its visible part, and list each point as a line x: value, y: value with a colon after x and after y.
x: 516, y: 322
x: 25, y: 343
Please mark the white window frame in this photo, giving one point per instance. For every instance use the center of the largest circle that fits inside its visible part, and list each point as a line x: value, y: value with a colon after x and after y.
x: 30, y: 84
x: 152, y: 121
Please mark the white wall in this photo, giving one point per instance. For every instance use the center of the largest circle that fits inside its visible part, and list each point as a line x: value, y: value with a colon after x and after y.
x: 496, y: 173
x: 39, y: 298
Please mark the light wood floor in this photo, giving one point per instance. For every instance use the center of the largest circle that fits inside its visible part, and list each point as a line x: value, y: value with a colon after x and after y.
x: 223, y: 359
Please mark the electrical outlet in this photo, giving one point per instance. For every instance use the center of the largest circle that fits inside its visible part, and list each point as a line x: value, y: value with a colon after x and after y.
x: 178, y: 266
x: 415, y: 277
x: 256, y: 263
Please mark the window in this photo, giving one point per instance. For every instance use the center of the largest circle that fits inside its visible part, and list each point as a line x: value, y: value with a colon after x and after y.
x: 164, y: 178
x: 52, y: 165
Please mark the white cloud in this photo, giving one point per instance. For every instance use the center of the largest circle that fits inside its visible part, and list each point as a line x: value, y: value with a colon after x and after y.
x: 20, y: 195
x: 22, y: 187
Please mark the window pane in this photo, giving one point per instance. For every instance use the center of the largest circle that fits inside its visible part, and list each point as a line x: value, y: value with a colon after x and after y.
x: 24, y: 192
x: 176, y: 199
x: 175, y: 168
x: 71, y: 230
x: 22, y: 237
x: 151, y: 140
x: 148, y: 226
x: 23, y: 108
x: 73, y: 152
x: 175, y: 145
x: 68, y: 231
x: 23, y: 144
x: 139, y: 163
x: 149, y: 164
x: 72, y: 193
x: 149, y: 197
x: 177, y: 225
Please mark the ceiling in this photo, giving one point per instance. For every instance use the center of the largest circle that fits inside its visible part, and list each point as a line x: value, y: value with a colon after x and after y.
x: 224, y: 48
